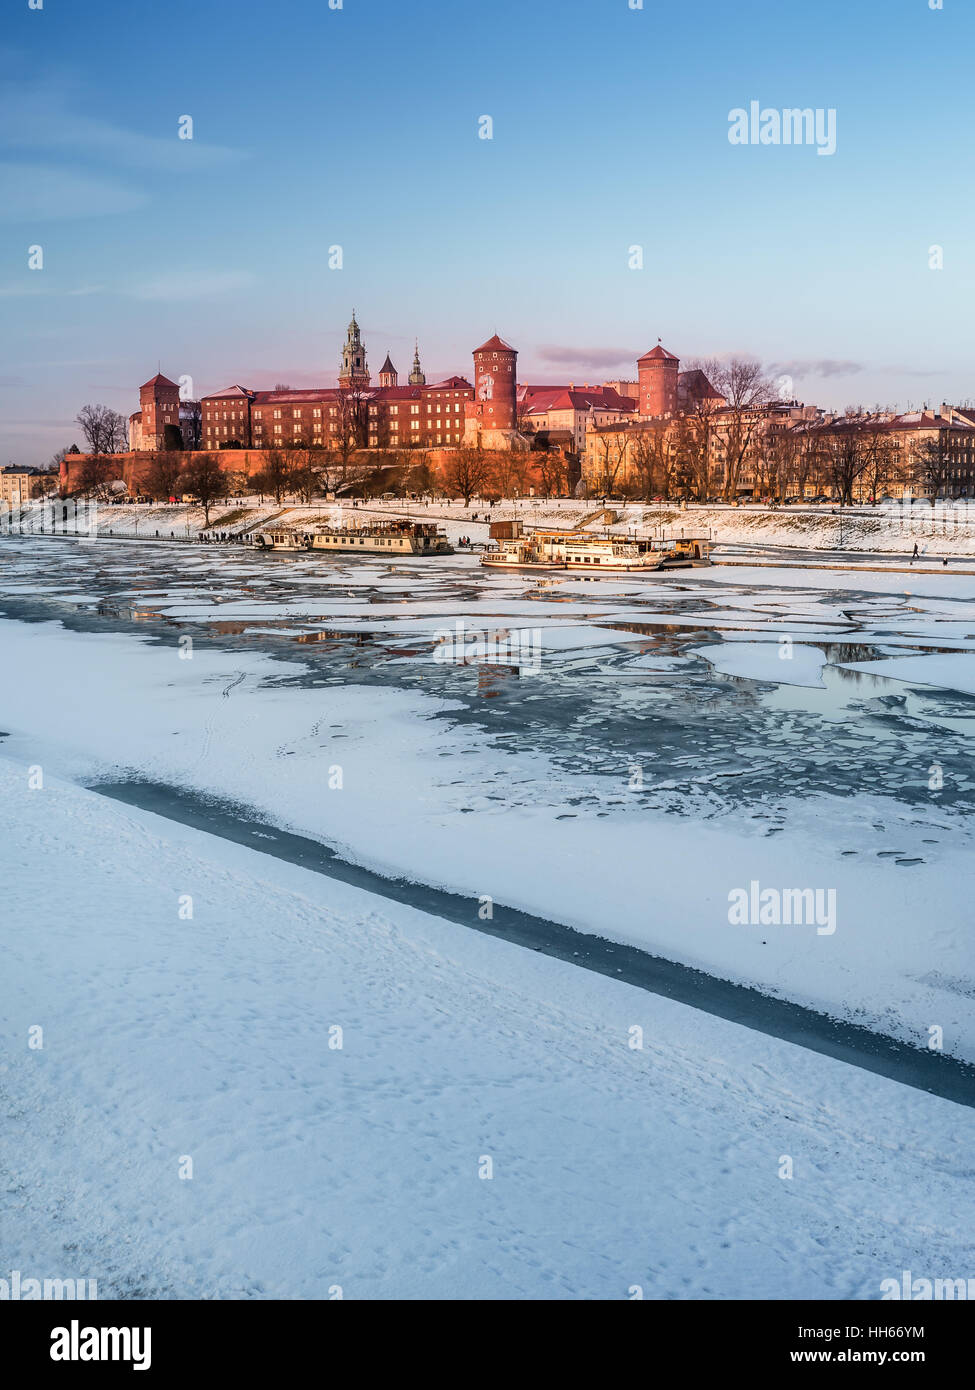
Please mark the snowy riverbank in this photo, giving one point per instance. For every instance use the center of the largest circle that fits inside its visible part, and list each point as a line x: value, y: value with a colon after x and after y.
x: 485, y: 1129
x: 891, y: 529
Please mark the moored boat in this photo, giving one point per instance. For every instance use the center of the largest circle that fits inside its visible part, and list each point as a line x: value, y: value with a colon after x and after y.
x: 601, y: 553
x: 391, y: 538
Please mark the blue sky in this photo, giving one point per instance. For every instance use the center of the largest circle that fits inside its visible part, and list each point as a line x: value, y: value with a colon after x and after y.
x: 359, y: 127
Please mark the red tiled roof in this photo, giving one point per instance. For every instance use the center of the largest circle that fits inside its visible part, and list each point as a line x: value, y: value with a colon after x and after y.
x: 159, y: 380
x: 658, y: 354
x: 392, y: 393
x: 450, y: 383
x: 229, y: 391
x: 495, y: 344
x: 538, y: 399
x: 697, y: 384
x: 297, y: 397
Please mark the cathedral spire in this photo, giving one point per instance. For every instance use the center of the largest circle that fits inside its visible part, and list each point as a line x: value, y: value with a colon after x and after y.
x: 355, y: 370
x: 416, y: 375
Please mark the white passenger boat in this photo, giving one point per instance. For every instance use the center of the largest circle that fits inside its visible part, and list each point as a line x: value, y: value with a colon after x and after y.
x: 596, y: 553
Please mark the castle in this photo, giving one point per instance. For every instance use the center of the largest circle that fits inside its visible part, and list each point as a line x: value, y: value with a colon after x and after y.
x: 496, y: 412
x: 668, y: 432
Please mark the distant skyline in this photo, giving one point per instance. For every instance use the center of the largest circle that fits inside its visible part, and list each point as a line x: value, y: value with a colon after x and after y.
x: 358, y: 128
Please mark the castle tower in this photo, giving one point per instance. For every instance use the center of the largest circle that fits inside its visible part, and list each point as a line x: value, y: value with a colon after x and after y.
x: 355, y: 370
x: 658, y: 372
x: 491, y: 418
x: 495, y: 372
x: 388, y: 375
x: 159, y: 401
x: 416, y: 375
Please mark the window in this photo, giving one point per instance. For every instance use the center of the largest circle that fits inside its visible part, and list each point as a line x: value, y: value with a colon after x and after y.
x: 277, y: 415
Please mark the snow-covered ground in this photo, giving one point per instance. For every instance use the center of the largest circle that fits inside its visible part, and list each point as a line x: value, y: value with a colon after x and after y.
x: 208, y: 1045
x: 947, y: 528
x: 674, y: 741
x: 427, y: 794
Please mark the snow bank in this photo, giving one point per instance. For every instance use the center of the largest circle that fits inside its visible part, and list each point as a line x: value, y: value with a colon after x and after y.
x: 211, y: 1040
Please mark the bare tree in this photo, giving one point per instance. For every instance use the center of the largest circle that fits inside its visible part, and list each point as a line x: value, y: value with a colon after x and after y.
x: 276, y: 477
x: 698, y: 430
x: 932, y: 464
x: 611, y: 447
x: 97, y: 473
x: 509, y: 473
x: 353, y: 424
x: 846, y: 456
x: 553, y: 470
x: 204, y: 479
x: 746, y: 389
x: 105, y: 430
x: 807, y: 459
x: 162, y: 478
x: 467, y: 472
x: 880, y: 452
x: 652, y: 456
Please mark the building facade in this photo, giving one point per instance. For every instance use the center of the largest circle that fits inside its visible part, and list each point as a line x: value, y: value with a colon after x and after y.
x: 15, y: 486
x: 353, y: 414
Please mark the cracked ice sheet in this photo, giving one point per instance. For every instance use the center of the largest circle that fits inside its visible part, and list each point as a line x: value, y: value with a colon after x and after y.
x: 358, y: 1167
x: 763, y: 661
x: 950, y: 671
x: 414, y: 802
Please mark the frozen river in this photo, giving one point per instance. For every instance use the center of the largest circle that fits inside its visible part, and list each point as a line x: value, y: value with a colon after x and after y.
x: 815, y: 726
x: 630, y: 674
x: 418, y: 854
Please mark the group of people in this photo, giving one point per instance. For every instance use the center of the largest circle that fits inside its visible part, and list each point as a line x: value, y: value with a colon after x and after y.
x: 465, y: 542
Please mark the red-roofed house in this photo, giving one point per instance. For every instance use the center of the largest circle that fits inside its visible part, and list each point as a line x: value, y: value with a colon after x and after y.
x: 568, y: 411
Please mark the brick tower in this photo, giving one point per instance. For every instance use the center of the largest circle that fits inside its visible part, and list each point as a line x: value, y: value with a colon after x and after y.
x: 159, y: 402
x: 658, y: 371
x: 493, y: 414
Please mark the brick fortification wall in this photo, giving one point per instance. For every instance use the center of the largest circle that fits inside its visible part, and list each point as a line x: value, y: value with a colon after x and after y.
x: 133, y: 468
